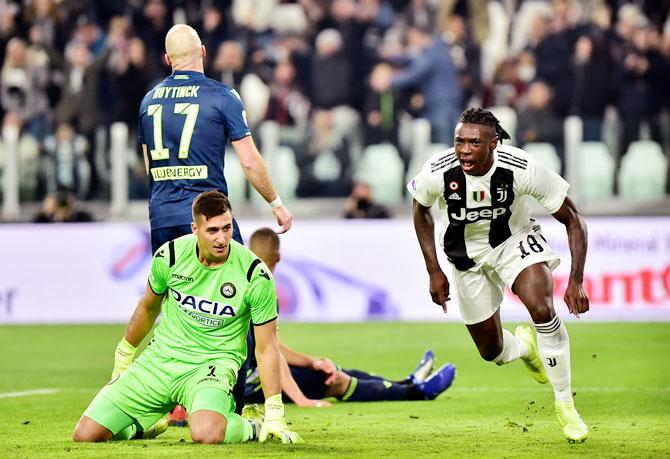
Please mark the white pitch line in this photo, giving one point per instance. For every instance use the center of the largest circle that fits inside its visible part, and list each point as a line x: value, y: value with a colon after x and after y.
x: 577, y: 389
x: 28, y: 393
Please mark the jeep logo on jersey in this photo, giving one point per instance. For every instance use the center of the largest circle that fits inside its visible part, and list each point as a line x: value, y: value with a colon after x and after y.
x: 473, y: 215
x: 228, y: 290
x: 196, y: 303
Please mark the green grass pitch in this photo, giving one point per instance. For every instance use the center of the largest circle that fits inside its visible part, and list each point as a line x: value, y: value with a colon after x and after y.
x: 621, y: 377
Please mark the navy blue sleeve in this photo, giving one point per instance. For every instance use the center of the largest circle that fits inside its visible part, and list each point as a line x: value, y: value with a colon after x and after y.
x: 234, y: 116
x: 140, y: 129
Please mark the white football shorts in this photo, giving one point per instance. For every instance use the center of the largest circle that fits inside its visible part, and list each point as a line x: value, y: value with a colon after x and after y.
x: 479, y: 291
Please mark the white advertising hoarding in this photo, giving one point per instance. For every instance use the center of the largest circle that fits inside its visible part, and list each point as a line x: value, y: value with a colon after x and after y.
x: 331, y: 270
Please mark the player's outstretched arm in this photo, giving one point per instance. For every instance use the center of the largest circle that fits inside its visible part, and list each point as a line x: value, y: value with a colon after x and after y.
x: 424, y: 226
x: 289, y: 385
x: 142, y: 320
x: 298, y: 359
x: 268, y: 357
x: 575, y: 297
x: 258, y: 175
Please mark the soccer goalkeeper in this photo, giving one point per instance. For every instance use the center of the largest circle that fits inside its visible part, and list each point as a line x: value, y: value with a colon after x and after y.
x: 212, y: 288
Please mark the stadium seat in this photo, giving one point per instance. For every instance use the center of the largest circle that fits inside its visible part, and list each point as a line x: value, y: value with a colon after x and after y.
x: 326, y: 166
x: 419, y: 159
x: 508, y: 119
x: 256, y: 96
x: 284, y: 172
x: 235, y: 178
x: 595, y: 171
x: 380, y: 167
x: 495, y: 48
x: 545, y: 154
x: 643, y: 171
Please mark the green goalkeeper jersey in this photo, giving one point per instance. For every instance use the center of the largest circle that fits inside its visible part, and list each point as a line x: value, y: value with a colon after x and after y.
x: 207, y: 311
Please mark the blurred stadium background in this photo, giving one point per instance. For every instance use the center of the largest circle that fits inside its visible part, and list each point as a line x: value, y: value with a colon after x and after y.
x: 343, y: 120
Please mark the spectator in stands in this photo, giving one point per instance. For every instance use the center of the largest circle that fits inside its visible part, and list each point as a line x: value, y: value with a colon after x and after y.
x: 381, y: 111
x: 326, y: 56
x: 213, y: 30
x: 552, y: 49
x: 464, y: 52
x: 642, y: 78
x: 324, y: 159
x: 288, y: 106
x: 43, y: 15
x: 331, y: 89
x: 420, y: 13
x: 229, y: 64
x: 79, y: 102
x: 253, y: 17
x: 433, y: 72
x: 131, y: 75
x: 23, y: 81
x: 331, y: 72
x: 296, y: 49
x: 351, y: 19
x: 66, y: 165
x: 61, y: 207
x: 361, y: 204
x: 90, y: 34
x: 537, y: 122
x: 476, y: 12
x: 8, y: 26
x: 507, y: 88
x: 526, y: 68
x: 593, y: 70
x: 152, y: 20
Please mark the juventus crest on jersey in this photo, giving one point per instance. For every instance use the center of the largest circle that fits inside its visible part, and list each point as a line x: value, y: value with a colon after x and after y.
x: 481, y: 212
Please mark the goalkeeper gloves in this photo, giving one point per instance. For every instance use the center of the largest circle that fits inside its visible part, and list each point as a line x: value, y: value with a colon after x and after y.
x: 274, y: 425
x: 123, y: 357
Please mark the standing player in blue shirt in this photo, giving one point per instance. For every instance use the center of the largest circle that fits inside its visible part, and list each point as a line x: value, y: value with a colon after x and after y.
x: 184, y: 125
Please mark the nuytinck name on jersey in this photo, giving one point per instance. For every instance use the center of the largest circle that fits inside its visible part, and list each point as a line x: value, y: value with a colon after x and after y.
x: 175, y: 92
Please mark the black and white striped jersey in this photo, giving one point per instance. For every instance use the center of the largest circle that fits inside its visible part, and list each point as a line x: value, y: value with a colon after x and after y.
x: 479, y: 213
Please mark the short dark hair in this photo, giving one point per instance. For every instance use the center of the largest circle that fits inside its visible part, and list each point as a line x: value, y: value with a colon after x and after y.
x: 265, y: 236
x: 477, y: 115
x: 211, y: 204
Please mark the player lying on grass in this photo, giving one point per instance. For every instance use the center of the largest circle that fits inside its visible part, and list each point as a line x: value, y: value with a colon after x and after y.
x: 491, y: 241
x: 306, y: 379
x: 212, y: 288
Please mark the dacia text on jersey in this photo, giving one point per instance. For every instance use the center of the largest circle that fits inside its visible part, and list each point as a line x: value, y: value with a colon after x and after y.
x: 169, y: 92
x: 194, y: 306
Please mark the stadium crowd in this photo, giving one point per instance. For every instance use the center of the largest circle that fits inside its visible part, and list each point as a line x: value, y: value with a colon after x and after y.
x: 336, y: 75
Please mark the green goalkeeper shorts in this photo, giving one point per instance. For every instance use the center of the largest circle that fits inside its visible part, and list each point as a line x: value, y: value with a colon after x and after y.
x: 154, y: 384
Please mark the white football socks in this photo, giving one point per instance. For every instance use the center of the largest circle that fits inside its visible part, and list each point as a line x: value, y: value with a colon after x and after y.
x: 513, y: 348
x: 553, y: 343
